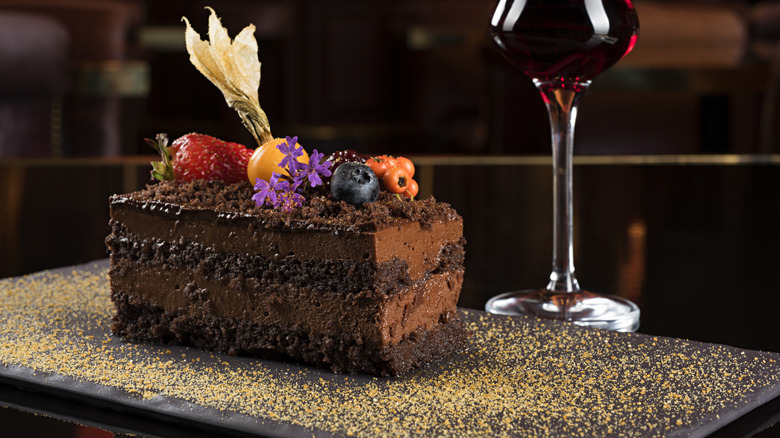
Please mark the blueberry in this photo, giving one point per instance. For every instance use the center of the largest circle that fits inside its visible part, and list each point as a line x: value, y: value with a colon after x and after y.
x: 354, y: 183
x: 340, y: 157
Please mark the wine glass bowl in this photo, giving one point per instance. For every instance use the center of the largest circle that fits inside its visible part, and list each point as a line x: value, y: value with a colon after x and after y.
x: 568, y: 41
x: 562, y: 45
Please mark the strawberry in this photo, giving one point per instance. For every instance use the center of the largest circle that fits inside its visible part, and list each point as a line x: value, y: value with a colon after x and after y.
x: 199, y: 156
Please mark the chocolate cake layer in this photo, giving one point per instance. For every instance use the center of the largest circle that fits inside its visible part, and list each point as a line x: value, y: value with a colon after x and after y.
x: 343, y: 353
x: 346, y: 276
x: 402, y: 240
x: 371, y: 289
x: 377, y: 320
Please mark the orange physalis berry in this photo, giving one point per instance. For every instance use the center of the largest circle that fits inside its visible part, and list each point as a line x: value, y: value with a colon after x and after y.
x: 265, y: 161
x: 396, y: 180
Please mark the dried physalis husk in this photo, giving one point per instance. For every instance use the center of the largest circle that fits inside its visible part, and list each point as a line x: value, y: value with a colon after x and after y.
x: 233, y: 66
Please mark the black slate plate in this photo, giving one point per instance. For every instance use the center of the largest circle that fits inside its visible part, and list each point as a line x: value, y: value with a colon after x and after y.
x: 520, y: 376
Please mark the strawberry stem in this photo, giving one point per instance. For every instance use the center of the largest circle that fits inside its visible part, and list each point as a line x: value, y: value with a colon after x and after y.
x: 161, y: 170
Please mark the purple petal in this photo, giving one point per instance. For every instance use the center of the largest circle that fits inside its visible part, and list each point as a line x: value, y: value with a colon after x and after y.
x: 260, y: 183
x: 292, y: 141
x: 284, y: 147
x: 259, y: 198
x: 316, y: 157
x: 314, y: 179
x: 323, y: 170
x: 272, y: 198
x: 285, y: 162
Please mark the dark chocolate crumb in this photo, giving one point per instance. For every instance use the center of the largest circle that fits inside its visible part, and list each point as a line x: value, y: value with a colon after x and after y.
x: 318, y: 209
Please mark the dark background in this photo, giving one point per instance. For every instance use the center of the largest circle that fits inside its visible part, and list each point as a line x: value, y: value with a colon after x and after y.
x: 678, y: 209
x: 405, y: 76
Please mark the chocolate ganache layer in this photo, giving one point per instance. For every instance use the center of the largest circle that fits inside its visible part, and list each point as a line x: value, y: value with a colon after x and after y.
x: 358, y: 289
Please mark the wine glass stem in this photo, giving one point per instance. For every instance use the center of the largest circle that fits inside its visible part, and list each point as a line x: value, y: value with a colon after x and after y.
x: 562, y: 101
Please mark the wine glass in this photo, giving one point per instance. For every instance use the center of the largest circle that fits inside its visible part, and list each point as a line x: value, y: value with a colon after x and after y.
x: 562, y: 45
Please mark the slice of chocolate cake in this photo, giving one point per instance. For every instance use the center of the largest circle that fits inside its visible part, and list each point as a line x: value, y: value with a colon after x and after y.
x: 369, y: 288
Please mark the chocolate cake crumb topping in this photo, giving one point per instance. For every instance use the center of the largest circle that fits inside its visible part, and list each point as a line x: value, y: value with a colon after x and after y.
x: 318, y: 209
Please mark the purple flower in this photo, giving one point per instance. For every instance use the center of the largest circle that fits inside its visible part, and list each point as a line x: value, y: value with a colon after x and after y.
x: 298, y: 178
x: 281, y: 191
x: 291, y: 152
x: 315, y: 170
x: 266, y: 190
x: 289, y: 200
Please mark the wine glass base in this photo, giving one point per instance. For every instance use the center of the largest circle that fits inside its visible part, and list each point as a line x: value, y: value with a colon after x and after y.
x: 582, y: 308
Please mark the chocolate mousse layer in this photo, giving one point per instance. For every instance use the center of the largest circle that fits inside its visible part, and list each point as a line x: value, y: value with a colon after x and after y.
x: 358, y: 289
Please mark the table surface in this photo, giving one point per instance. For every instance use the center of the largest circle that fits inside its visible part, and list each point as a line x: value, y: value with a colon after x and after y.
x: 518, y: 376
x: 692, y: 240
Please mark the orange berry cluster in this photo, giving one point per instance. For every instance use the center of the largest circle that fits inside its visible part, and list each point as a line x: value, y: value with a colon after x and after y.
x: 396, y: 174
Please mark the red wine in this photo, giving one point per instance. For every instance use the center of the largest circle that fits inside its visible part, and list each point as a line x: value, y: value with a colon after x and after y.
x: 570, y: 41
